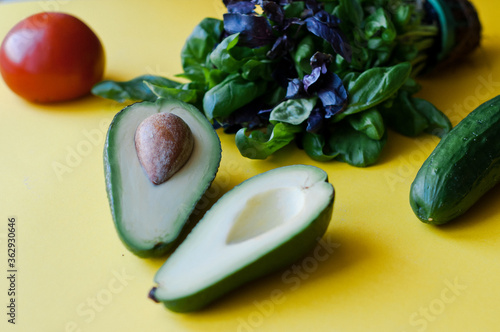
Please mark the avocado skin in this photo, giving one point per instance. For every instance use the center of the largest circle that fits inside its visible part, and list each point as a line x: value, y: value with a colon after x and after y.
x: 112, y: 183
x: 280, y: 257
x: 462, y: 168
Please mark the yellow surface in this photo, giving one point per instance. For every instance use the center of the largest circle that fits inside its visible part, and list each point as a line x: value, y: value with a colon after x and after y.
x: 379, y: 269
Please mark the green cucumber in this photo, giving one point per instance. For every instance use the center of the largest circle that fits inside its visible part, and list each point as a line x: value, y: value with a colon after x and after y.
x: 461, y: 169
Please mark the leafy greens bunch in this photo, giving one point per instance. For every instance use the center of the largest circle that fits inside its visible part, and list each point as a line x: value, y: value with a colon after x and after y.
x: 331, y: 76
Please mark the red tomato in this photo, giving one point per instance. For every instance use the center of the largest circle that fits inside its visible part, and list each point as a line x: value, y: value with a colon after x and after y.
x: 50, y: 57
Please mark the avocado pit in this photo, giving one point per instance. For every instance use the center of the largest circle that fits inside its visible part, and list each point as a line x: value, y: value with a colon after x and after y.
x: 164, y: 143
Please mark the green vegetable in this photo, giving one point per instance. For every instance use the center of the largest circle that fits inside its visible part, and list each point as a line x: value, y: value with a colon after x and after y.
x: 185, y: 95
x: 316, y: 65
x: 373, y: 86
x: 232, y: 93
x: 461, y: 169
x: 137, y: 204
x: 355, y: 147
x: 196, y: 51
x: 261, y: 144
x: 315, y: 147
x: 369, y: 123
x: 222, y: 56
x: 439, y: 124
x: 133, y: 90
x: 264, y: 224
x: 293, y: 111
x: 302, y: 55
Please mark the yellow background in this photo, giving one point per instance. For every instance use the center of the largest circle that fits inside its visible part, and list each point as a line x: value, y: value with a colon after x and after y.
x: 384, y: 271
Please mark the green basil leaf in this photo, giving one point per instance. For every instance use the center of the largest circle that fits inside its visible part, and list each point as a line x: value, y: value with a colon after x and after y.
x: 193, y: 73
x: 213, y: 76
x: 231, y: 94
x: 439, y: 124
x: 403, y: 117
x: 195, y: 53
x: 293, y: 111
x: 260, y: 145
x: 315, y: 146
x: 369, y: 122
x: 331, y: 7
x: 373, y: 86
x: 379, y: 24
x: 402, y: 15
x: 411, y: 86
x: 294, y: 9
x: 188, y: 96
x: 303, y: 54
x: 201, y: 42
x: 350, y: 79
x: 133, y: 90
x: 380, y: 46
x: 231, y: 58
x: 354, y: 147
x: 361, y: 58
x: 350, y: 10
x: 253, y: 70
x: 223, y: 59
x: 274, y: 94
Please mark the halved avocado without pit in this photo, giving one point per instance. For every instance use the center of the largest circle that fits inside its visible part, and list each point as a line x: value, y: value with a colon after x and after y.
x: 262, y: 225
x: 150, y: 217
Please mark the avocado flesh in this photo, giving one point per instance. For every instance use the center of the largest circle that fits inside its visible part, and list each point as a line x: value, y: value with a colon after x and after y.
x: 149, y: 218
x: 262, y: 225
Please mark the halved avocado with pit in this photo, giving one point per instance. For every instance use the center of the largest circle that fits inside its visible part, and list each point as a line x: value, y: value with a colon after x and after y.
x: 149, y: 217
x: 264, y: 224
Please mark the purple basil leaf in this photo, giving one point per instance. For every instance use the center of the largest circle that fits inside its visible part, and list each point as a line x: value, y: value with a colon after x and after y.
x: 331, y: 110
x: 325, y: 25
x: 241, y: 7
x: 255, y: 31
x: 311, y: 78
x: 295, y: 89
x: 332, y: 94
x: 315, y: 120
x: 274, y: 12
x: 279, y: 2
x: 319, y: 62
